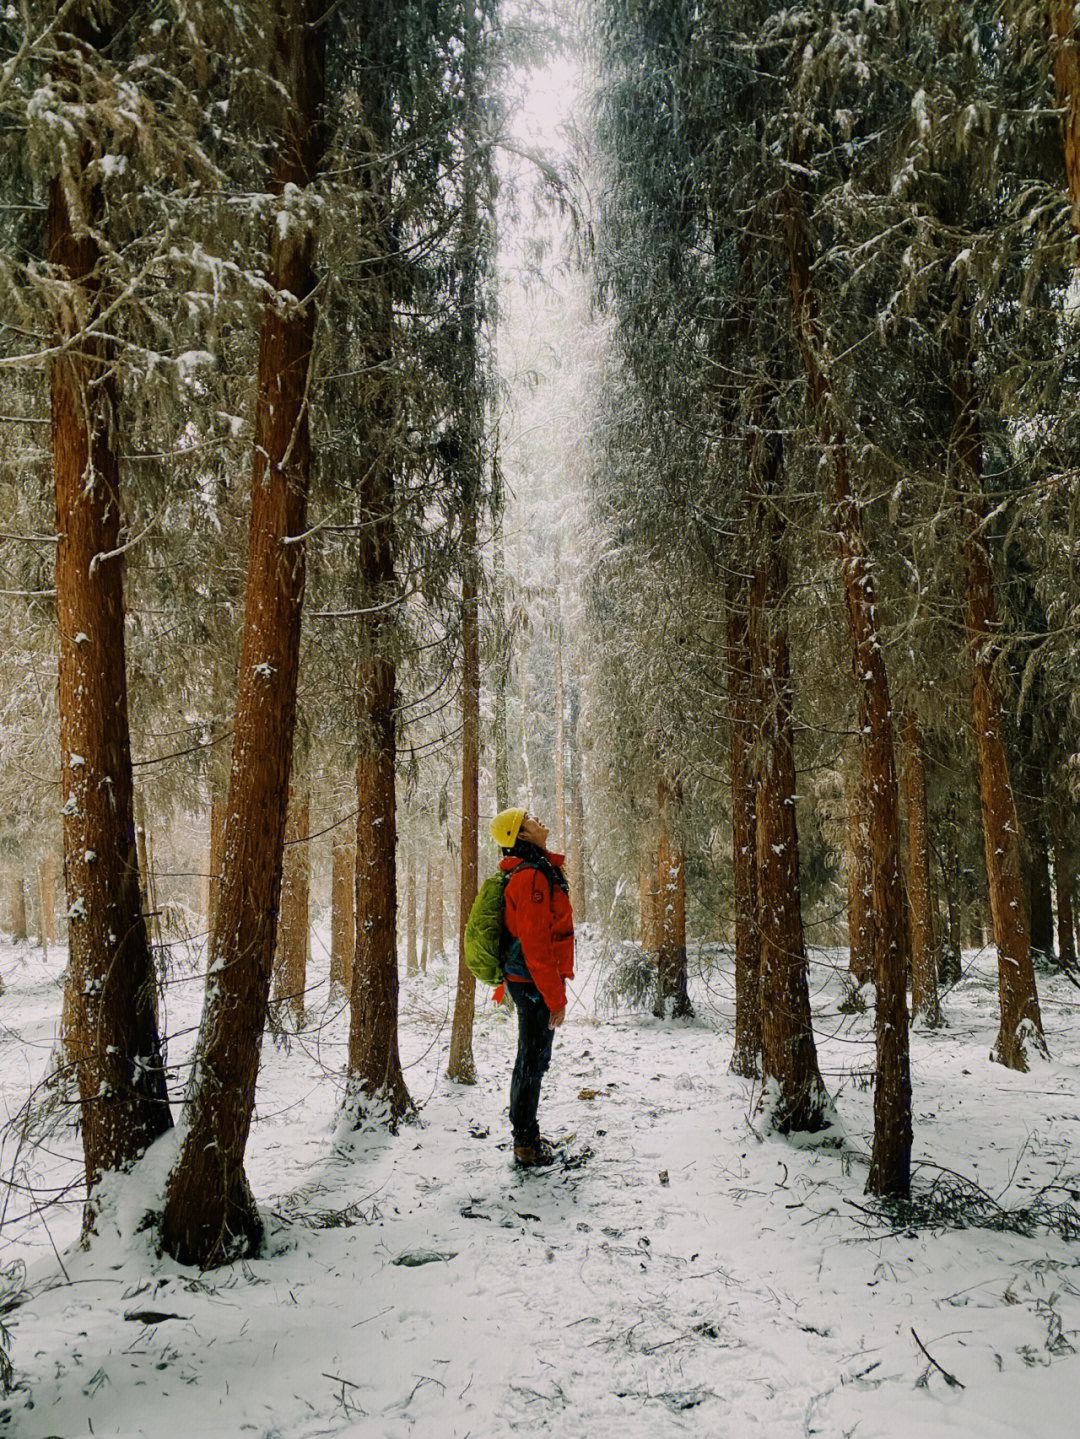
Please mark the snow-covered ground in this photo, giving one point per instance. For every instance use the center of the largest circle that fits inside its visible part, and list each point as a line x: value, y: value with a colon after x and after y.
x: 688, y: 1278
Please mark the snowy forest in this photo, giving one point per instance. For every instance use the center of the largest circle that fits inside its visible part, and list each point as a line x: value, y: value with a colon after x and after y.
x: 661, y: 417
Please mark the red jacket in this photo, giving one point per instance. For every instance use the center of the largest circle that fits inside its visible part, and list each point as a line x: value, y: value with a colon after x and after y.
x: 544, y: 923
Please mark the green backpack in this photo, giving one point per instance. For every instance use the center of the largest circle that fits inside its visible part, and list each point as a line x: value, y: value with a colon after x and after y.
x: 484, y: 930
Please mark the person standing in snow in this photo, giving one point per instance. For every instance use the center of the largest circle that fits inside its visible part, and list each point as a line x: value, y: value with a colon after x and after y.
x: 538, y: 955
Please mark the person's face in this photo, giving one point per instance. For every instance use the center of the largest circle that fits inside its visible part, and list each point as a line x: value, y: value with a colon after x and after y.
x: 533, y: 831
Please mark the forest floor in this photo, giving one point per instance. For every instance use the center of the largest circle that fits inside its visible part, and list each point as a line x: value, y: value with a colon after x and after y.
x: 689, y: 1277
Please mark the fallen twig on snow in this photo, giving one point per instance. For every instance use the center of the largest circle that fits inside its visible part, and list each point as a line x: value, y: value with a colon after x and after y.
x: 950, y: 1379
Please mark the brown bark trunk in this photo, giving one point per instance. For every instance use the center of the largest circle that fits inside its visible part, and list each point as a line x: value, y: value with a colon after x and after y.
x: 412, y: 964
x: 291, y: 953
x: 793, y: 1096
x: 890, y: 1165
x: 462, y: 1067
x: 1021, y: 1021
x: 861, y: 942
x: 210, y: 1215
x: 672, y: 992
x: 649, y: 907
x: 342, y: 915
x: 742, y: 691
x: 47, y: 889
x: 376, y: 1089
x: 1067, y: 83
x: 216, y: 853
x: 1064, y: 883
x: 1040, y: 894
x: 924, y: 951
x: 114, y: 1040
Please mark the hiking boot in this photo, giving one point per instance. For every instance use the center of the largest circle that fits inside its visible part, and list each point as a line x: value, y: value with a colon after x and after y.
x: 534, y: 1156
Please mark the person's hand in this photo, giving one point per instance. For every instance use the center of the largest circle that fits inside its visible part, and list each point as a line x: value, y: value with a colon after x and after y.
x: 557, y: 1018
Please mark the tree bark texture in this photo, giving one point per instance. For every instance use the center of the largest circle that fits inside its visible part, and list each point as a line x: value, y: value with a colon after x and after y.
x: 924, y: 949
x: 462, y: 1067
x: 114, y: 1041
x: 377, y: 1086
x: 746, y: 1058
x: 1021, y: 1021
x: 1040, y: 893
x: 672, y: 992
x: 342, y: 915
x: 217, y: 845
x: 47, y: 890
x: 210, y: 1215
x: 291, y: 954
x: 793, y: 1094
x: 649, y: 906
x: 376, y: 1089
x: 861, y: 923
x: 1067, y: 83
x: 890, y: 1164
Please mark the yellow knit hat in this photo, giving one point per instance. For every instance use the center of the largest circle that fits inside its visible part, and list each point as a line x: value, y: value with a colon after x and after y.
x: 505, y: 826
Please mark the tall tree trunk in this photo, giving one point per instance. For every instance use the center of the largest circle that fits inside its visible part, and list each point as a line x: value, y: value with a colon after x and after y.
x: 793, y: 1097
x: 462, y: 1067
x: 342, y: 915
x: 376, y: 1088
x: 861, y: 923
x: 1064, y: 884
x: 1066, y: 56
x: 924, y: 953
x: 1021, y: 1021
x: 114, y: 1040
x: 649, y: 907
x: 217, y: 857
x: 890, y: 1164
x: 47, y: 889
x: 210, y: 1215
x: 672, y: 993
x: 742, y: 695
x: 293, y: 935
x: 1040, y: 893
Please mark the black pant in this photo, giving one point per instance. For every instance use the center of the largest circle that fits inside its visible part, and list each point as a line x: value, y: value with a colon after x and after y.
x: 533, y: 1057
